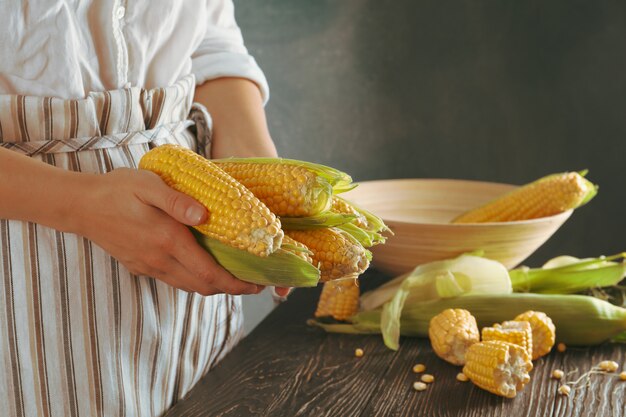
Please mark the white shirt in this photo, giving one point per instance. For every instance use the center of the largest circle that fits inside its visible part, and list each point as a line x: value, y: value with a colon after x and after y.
x: 68, y: 48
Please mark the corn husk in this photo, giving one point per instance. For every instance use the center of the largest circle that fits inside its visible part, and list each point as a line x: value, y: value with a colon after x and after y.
x: 281, y: 268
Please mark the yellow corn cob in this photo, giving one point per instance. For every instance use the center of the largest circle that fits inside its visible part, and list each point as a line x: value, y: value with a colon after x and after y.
x: 339, y: 299
x: 451, y: 333
x: 546, y: 196
x: 339, y: 205
x: 297, y: 248
x: 517, y: 332
x: 336, y: 254
x: 288, y: 190
x: 498, y: 367
x: 236, y: 216
x: 544, y: 332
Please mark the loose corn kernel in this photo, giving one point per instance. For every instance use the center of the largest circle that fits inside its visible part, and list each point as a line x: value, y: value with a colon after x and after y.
x: 564, y: 390
x: 561, y: 347
x: 609, y: 366
x: 419, y: 368
x: 428, y: 378
x: 358, y: 352
x: 419, y: 386
x: 462, y: 377
x: 622, y: 375
x: 557, y: 374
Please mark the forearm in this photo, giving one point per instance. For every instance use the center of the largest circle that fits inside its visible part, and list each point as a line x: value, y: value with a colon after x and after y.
x: 239, y: 123
x: 33, y: 191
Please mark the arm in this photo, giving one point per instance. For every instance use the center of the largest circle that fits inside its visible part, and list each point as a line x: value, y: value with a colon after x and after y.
x: 131, y: 214
x: 240, y: 127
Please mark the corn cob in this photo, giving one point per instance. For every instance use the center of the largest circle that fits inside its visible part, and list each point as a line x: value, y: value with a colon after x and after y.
x: 236, y: 216
x: 451, y: 333
x: 498, y: 367
x: 339, y: 299
x: 297, y: 248
x: 289, y: 188
x: 581, y: 320
x: 516, y: 332
x: 544, y: 197
x: 339, y: 205
x: 543, y: 332
x: 336, y: 253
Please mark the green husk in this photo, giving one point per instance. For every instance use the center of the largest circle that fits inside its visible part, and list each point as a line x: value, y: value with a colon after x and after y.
x: 464, y: 275
x: 338, y: 180
x: 569, y: 275
x: 580, y: 320
x: 281, y: 268
x: 366, y: 238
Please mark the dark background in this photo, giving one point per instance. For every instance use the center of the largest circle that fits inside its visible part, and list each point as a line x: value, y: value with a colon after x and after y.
x: 504, y: 91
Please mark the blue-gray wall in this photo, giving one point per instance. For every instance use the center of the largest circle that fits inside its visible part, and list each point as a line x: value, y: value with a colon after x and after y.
x: 492, y: 90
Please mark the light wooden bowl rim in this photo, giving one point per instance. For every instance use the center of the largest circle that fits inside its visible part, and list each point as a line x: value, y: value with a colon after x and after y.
x: 558, y: 216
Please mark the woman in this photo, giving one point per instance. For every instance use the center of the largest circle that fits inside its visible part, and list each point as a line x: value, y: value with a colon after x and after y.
x: 85, y: 91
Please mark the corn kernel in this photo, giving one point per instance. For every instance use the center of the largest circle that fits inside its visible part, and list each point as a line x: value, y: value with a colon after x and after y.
x: 564, y: 390
x: 419, y: 386
x: 557, y: 374
x: 358, y: 352
x: 608, y: 366
x: 419, y: 368
x: 622, y: 375
x: 561, y: 347
x: 428, y: 378
x: 461, y: 377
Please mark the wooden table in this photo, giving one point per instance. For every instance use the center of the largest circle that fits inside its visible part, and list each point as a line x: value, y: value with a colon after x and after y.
x: 286, y: 368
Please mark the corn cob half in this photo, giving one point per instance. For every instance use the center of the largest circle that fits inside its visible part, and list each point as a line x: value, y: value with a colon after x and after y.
x: 288, y: 187
x: 236, y: 216
x: 543, y: 332
x: 499, y: 367
x: 451, y: 333
x: 516, y: 332
x: 544, y: 197
x: 336, y: 253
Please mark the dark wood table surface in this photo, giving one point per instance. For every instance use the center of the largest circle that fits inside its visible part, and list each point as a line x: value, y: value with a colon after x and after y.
x: 287, y: 368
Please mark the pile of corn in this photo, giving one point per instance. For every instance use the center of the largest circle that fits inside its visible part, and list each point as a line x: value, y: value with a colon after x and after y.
x: 273, y: 221
x: 499, y: 363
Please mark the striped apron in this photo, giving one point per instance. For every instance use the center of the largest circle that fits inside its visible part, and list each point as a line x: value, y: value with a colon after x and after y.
x: 79, y: 334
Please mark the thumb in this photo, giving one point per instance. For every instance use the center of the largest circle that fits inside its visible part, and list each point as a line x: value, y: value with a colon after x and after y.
x: 177, y: 205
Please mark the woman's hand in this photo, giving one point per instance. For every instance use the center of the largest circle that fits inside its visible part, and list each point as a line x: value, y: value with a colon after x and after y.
x: 139, y: 220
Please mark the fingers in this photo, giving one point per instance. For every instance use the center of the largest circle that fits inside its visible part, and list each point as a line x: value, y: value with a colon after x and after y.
x: 180, y: 206
x: 282, y: 291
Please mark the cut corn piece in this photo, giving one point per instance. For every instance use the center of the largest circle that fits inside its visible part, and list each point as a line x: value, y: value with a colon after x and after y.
x: 544, y: 197
x: 236, y: 216
x: 336, y: 253
x: 498, y: 367
x: 517, y: 332
x: 543, y: 332
x: 451, y: 333
x: 339, y: 299
x: 288, y: 187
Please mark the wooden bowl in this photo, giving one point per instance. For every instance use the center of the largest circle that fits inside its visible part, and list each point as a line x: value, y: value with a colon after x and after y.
x: 419, y: 212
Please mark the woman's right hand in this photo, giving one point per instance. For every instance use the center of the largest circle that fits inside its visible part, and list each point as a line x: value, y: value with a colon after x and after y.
x: 141, y: 221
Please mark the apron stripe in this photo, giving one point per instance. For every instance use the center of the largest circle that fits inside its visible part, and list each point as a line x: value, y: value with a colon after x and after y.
x: 98, y: 341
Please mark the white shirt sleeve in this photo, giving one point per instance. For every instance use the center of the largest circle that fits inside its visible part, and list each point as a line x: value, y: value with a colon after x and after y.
x: 222, y: 52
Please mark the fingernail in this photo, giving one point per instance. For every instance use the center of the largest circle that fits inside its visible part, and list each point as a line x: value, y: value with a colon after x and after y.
x: 194, y: 214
